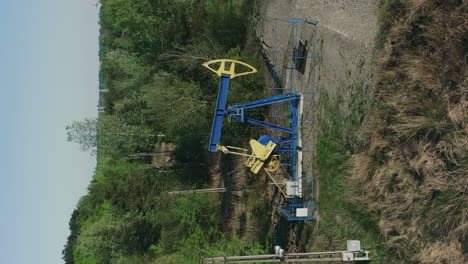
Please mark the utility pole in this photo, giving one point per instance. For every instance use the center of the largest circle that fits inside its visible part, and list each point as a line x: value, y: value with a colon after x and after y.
x: 97, y: 5
x: 211, y: 190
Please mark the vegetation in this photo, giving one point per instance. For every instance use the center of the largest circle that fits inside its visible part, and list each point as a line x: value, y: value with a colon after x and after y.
x: 412, y: 176
x: 342, y: 216
x: 398, y: 180
x: 151, y: 134
x: 391, y: 174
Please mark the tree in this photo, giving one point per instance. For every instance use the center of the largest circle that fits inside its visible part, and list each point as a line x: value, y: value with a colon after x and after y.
x: 132, y: 74
x: 115, y: 235
x: 112, y: 135
x: 84, y: 133
x: 116, y: 138
x: 67, y: 253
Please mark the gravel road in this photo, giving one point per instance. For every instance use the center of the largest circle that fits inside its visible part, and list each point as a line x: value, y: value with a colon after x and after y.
x: 346, y: 36
x: 346, y: 48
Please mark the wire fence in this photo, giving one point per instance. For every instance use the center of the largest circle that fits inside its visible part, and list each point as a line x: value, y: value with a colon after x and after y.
x: 292, y: 61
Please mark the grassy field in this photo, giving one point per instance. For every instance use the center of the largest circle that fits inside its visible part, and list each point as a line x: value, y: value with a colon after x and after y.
x: 392, y: 171
x: 342, y: 217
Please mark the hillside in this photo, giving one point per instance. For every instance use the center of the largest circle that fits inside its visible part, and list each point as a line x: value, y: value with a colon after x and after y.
x: 391, y: 144
x: 156, y: 106
x: 392, y: 139
x: 412, y: 173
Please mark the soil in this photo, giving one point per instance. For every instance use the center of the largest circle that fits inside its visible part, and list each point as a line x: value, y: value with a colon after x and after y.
x: 347, y: 31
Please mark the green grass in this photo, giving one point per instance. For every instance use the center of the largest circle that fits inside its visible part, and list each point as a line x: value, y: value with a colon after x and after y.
x: 341, y: 216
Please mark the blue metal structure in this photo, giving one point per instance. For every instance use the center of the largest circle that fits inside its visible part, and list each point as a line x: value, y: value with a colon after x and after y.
x: 286, y: 145
x: 227, y: 71
x: 220, y: 112
x: 286, y: 117
x: 288, y: 211
x: 286, y: 56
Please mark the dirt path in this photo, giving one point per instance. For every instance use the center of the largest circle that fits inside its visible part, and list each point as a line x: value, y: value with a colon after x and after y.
x: 346, y: 36
x: 347, y: 32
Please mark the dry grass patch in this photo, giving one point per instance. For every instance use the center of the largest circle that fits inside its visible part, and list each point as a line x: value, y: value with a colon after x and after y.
x: 414, y: 175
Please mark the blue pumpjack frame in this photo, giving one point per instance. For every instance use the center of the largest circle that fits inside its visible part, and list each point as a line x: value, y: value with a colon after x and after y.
x: 288, y: 213
x: 283, y: 60
x: 286, y: 145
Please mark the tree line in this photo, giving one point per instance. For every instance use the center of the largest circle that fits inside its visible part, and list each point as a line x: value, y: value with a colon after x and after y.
x: 154, y: 90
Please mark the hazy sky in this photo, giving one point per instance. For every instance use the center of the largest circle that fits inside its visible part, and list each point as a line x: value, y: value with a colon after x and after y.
x: 49, y: 78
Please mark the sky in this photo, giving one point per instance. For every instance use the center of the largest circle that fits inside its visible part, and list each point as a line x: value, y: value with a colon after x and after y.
x: 49, y: 78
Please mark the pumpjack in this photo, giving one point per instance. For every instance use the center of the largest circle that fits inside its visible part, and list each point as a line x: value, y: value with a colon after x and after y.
x: 266, y: 152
